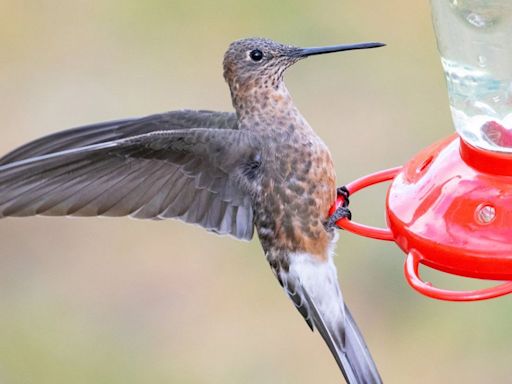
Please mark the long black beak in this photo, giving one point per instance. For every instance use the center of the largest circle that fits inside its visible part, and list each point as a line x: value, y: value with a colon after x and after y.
x: 305, y: 52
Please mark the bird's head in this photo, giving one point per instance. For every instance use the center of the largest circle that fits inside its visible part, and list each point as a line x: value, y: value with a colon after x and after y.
x: 259, y: 62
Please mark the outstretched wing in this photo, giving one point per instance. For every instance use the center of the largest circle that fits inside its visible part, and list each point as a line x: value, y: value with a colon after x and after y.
x: 192, y: 174
x: 313, y: 287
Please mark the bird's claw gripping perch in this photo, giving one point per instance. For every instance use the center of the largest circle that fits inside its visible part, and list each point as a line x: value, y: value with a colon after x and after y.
x: 342, y: 211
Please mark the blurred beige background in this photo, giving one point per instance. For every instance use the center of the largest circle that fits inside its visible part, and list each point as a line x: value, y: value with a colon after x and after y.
x: 125, y: 301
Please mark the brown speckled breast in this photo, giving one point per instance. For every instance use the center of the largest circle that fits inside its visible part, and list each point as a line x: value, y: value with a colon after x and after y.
x: 296, y: 188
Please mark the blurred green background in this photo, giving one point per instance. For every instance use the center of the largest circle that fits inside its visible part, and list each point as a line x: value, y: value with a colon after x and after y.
x: 126, y: 301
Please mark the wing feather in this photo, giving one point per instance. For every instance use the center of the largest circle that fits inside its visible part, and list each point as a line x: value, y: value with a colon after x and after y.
x: 120, y: 129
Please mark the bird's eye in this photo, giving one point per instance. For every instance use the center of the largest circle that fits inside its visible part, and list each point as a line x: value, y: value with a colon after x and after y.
x: 256, y: 55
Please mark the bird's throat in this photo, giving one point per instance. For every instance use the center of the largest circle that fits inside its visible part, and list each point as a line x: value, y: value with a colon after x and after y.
x: 262, y: 102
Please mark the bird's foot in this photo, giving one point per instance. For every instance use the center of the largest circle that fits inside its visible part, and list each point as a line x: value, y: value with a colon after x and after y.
x: 342, y: 211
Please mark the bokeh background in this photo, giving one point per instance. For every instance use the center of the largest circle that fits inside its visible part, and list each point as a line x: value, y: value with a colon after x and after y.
x: 126, y: 301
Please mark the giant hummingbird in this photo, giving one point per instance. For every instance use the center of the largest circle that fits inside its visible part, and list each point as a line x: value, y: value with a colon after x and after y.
x: 260, y: 167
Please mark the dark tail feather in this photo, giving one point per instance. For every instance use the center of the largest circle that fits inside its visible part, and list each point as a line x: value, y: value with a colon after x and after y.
x: 353, y: 357
x: 313, y: 288
x: 356, y: 359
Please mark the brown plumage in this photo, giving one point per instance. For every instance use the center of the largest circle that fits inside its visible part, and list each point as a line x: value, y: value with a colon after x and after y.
x: 261, y: 167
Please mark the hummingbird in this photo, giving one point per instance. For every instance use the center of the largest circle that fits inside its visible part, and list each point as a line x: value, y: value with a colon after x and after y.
x: 260, y: 167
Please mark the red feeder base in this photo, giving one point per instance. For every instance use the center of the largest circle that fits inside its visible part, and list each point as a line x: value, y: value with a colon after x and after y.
x: 449, y: 208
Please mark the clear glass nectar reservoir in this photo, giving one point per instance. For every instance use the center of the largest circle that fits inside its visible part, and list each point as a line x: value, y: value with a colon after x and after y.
x: 474, y: 38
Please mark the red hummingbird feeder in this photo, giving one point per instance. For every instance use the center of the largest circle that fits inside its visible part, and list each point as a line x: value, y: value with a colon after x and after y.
x: 450, y: 207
